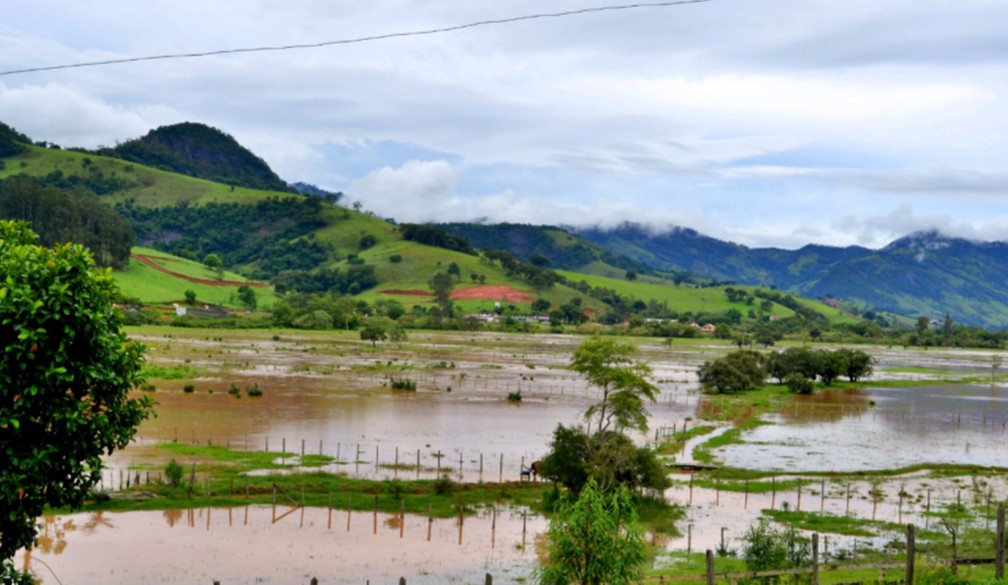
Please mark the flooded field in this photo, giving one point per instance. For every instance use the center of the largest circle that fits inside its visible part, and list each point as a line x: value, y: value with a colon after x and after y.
x: 881, y: 428
x: 332, y: 394
x: 259, y: 545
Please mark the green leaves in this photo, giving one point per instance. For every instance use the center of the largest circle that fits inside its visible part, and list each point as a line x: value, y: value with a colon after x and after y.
x: 607, y: 364
x: 594, y: 540
x: 66, y: 371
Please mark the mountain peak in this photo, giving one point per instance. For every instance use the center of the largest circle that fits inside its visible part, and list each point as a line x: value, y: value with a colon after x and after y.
x: 202, y: 151
x: 925, y: 240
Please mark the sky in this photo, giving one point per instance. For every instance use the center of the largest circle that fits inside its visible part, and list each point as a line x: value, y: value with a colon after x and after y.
x: 763, y: 122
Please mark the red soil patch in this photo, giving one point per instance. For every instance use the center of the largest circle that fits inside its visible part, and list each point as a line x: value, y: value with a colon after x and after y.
x: 493, y: 292
x: 483, y: 292
x: 150, y: 262
x: 413, y: 293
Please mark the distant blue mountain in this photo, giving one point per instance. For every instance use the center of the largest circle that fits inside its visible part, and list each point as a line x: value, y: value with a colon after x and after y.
x: 924, y: 273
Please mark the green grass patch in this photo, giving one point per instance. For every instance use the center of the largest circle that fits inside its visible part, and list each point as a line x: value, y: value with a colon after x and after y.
x: 156, y: 372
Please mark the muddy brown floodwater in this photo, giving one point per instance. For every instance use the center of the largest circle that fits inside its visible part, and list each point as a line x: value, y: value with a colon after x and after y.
x: 330, y: 393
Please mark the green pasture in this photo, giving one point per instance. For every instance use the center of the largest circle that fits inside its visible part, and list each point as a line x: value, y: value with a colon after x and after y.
x: 155, y: 287
x: 152, y: 187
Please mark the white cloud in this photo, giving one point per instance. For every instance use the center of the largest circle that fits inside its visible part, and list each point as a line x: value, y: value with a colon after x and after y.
x: 757, y: 122
x: 68, y: 117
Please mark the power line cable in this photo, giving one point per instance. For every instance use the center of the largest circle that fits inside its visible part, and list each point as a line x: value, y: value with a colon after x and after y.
x: 381, y: 37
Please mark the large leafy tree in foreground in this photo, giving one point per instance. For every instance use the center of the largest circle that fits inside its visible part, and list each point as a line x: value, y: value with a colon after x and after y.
x: 594, y: 540
x: 66, y: 370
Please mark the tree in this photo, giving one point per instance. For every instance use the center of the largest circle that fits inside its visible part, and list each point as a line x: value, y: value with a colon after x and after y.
x: 66, y: 369
x: 541, y: 305
x: 948, y: 330
x: 190, y: 296
x: 607, y: 365
x: 214, y: 262
x: 631, y: 275
x: 736, y: 372
x: 831, y: 365
x: 594, y: 540
x: 373, y: 331
x: 454, y: 270
x: 923, y: 325
x: 441, y: 284
x: 247, y: 297
x: 859, y: 364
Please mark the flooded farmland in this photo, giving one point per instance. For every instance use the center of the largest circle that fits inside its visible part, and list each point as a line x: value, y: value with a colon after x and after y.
x: 332, y: 394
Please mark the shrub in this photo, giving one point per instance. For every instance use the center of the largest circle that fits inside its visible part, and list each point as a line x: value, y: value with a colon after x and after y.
x: 173, y: 473
x: 799, y: 384
x: 188, y: 388
x: 403, y: 384
x: 444, y: 486
x: 514, y: 396
x: 234, y: 390
x: 395, y: 258
x: 254, y: 391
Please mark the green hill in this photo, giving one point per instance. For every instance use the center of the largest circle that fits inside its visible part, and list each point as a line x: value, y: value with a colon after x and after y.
x: 199, y: 151
x: 302, y: 243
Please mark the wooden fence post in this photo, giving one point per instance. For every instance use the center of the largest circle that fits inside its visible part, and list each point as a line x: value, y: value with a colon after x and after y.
x: 488, y: 580
x: 815, y: 558
x: 911, y: 554
x: 710, y: 567
x: 1000, y: 558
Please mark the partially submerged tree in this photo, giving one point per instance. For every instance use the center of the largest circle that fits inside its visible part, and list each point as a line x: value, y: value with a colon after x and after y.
x: 607, y: 364
x: 608, y: 458
x: 66, y: 369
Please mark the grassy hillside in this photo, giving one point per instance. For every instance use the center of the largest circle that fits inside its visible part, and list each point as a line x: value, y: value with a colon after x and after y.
x: 152, y: 286
x: 697, y: 300
x: 264, y: 234
x: 147, y: 186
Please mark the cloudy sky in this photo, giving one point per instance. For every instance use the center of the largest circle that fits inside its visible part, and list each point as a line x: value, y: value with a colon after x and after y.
x: 764, y: 122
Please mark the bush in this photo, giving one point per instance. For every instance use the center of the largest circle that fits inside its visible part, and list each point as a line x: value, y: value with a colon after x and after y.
x: 173, y: 473
x: 514, y: 396
x: 766, y: 548
x: 234, y: 390
x: 444, y: 486
x: 799, y: 384
x: 395, y: 258
x: 188, y: 388
x: 254, y: 391
x: 403, y: 384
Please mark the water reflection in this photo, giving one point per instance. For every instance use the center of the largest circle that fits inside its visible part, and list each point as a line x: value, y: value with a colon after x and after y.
x: 251, y: 545
x: 880, y: 428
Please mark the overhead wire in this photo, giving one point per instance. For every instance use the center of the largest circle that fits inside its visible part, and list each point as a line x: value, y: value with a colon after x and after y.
x: 366, y: 39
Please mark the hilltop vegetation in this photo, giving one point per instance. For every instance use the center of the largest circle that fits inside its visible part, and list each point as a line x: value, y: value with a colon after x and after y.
x: 199, y: 151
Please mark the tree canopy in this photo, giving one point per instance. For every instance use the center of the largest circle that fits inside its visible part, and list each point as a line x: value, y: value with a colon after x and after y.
x: 594, y: 540
x: 66, y: 369
x: 607, y: 364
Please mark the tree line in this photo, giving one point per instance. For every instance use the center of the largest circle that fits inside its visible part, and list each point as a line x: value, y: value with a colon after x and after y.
x: 60, y: 215
x: 796, y: 367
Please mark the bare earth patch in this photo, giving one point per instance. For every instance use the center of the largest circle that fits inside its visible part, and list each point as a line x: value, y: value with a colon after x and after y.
x: 483, y: 292
x: 493, y: 292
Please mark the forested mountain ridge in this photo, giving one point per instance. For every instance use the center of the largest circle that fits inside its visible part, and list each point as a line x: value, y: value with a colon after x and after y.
x: 923, y: 274
x: 549, y: 246
x: 199, y: 151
